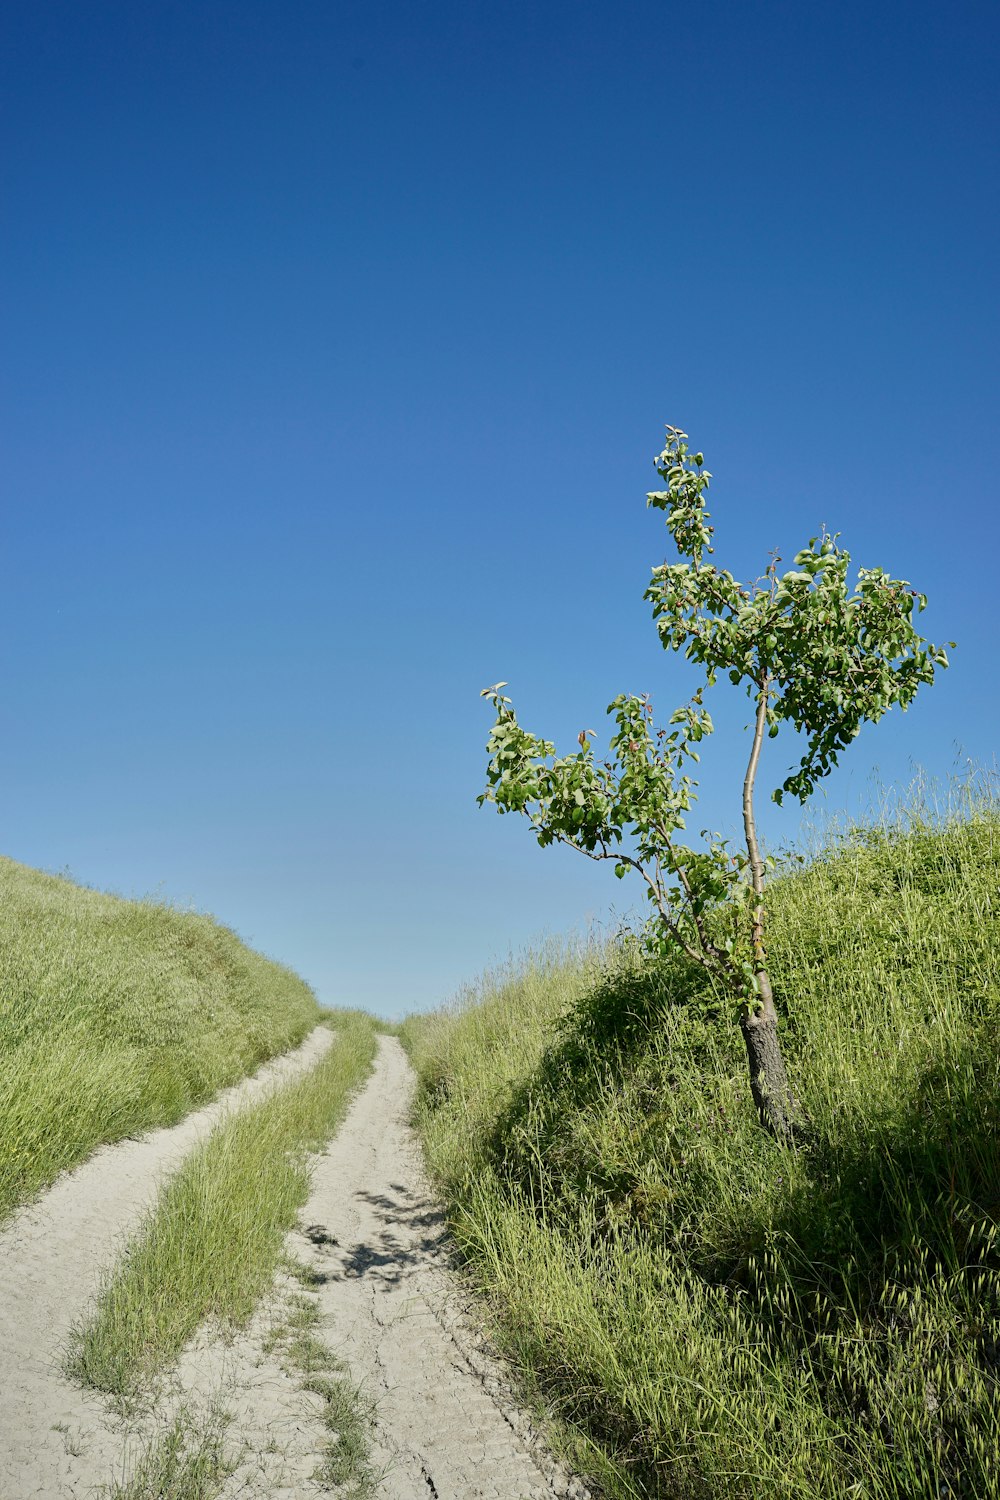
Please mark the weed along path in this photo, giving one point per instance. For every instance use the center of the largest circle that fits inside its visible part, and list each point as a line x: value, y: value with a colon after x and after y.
x: 54, y: 1439
x: 374, y: 1239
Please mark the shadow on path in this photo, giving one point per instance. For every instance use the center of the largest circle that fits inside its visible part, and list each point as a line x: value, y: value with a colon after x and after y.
x: 407, y: 1234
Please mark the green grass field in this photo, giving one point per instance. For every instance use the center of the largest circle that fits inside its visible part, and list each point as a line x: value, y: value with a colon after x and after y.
x: 714, y: 1314
x: 116, y: 1016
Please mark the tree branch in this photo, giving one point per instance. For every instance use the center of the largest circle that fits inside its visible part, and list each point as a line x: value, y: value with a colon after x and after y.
x: 668, y: 921
x: 718, y: 954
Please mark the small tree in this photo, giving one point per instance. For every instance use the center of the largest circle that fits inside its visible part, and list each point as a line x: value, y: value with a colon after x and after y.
x: 812, y: 652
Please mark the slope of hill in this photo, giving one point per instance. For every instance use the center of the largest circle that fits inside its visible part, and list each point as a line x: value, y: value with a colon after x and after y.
x: 714, y: 1313
x: 116, y: 1016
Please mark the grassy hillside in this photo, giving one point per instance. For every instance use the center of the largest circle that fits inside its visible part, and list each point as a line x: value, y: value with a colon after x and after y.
x: 716, y: 1314
x: 119, y: 1015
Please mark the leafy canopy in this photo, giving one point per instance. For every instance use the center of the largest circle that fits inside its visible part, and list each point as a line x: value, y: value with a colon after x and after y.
x: 811, y: 651
x: 829, y: 658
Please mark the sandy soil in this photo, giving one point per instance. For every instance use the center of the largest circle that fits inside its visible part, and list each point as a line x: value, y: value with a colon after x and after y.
x: 390, y: 1307
x: 54, y: 1438
x: 393, y: 1309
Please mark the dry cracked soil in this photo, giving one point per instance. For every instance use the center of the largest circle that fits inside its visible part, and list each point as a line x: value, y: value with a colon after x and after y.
x: 390, y: 1308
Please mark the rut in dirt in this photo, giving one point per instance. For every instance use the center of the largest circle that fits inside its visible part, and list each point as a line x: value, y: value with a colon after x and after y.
x: 55, y: 1439
x: 391, y: 1307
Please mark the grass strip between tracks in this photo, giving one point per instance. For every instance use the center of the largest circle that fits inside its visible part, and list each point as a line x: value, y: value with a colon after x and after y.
x: 209, y: 1247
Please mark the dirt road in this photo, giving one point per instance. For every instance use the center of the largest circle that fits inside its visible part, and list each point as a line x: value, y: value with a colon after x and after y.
x: 389, y: 1306
x: 54, y: 1439
x: 391, y: 1309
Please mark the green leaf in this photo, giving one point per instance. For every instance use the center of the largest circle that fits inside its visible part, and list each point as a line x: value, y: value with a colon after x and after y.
x: 824, y: 655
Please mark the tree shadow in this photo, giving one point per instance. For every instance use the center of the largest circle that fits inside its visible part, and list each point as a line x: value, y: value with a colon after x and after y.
x: 410, y: 1235
x: 921, y: 1180
x: 597, y: 1048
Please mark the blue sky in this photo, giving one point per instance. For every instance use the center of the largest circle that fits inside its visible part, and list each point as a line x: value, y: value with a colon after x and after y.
x: 338, y: 340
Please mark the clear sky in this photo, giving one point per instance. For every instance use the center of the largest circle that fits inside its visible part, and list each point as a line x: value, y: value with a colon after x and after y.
x: 337, y: 342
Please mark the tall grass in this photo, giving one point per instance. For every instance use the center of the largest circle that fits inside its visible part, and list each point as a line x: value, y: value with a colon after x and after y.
x: 116, y: 1016
x: 210, y: 1245
x: 721, y: 1314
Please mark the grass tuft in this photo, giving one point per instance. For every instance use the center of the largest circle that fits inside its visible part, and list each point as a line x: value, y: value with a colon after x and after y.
x: 723, y: 1315
x: 347, y: 1413
x: 188, y: 1462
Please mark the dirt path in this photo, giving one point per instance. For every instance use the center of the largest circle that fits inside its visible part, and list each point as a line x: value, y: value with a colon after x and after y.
x: 53, y: 1438
x: 390, y: 1308
x: 389, y: 1305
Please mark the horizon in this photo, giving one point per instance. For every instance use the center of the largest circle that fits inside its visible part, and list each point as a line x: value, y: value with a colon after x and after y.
x: 339, y: 347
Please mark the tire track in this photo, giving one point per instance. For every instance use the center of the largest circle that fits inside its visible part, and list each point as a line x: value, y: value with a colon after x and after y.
x: 388, y: 1300
x: 56, y: 1440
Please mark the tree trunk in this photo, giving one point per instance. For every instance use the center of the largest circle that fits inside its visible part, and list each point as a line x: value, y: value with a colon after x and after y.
x: 779, y: 1110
